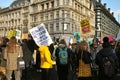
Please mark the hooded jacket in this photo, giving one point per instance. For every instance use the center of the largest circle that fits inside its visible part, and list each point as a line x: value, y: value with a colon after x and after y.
x: 46, y: 61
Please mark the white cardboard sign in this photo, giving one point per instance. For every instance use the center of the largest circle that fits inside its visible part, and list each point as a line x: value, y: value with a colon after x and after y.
x: 41, y: 35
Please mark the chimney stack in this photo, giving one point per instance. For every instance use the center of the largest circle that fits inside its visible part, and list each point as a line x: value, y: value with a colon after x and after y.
x: 109, y: 9
x: 113, y: 13
x: 99, y: 1
x: 105, y: 5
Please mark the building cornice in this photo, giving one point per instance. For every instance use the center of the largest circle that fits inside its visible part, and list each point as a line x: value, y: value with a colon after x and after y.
x: 9, y: 10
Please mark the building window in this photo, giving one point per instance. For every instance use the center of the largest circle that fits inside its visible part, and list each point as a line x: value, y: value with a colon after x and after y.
x: 52, y: 3
x: 35, y: 8
x: 62, y: 13
x: 98, y: 13
x: 57, y: 26
x: 42, y: 17
x: 72, y: 15
x: 46, y: 16
x: 76, y: 28
x: 58, y: 2
x: 46, y: 26
x: 98, y: 20
x: 65, y: 26
x: 19, y: 14
x: 68, y: 14
x: 42, y: 6
x: 47, y: 4
x: 65, y: 14
x: 66, y: 2
x: 76, y: 6
x: 34, y: 18
x: 72, y: 27
x: 51, y: 28
x: 76, y: 16
x: 87, y: 3
x: 57, y: 14
x: 81, y: 9
x: 98, y: 10
x: 52, y: 15
x: 98, y: 17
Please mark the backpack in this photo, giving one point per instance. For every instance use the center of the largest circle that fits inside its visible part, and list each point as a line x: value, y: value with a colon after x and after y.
x: 63, y: 56
x: 108, y: 66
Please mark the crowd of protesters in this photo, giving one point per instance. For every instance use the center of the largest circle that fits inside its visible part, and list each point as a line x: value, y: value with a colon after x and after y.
x: 84, y: 59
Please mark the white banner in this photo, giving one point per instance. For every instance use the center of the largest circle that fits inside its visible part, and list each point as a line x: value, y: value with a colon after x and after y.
x: 41, y: 35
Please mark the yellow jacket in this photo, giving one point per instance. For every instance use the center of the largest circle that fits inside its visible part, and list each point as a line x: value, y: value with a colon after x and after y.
x: 46, y: 61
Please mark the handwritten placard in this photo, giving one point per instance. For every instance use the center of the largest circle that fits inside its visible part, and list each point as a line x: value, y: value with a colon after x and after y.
x: 41, y: 35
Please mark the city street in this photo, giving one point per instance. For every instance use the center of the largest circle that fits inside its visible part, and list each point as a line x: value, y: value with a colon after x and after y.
x: 75, y: 39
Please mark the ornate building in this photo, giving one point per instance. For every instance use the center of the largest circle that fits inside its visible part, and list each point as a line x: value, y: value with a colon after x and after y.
x: 106, y: 23
x: 11, y: 17
x: 59, y: 16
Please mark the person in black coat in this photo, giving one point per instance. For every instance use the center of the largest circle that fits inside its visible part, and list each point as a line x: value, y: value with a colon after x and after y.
x: 106, y: 51
x: 28, y: 47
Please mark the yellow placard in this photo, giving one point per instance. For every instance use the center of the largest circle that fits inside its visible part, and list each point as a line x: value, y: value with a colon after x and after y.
x: 85, y: 26
x: 11, y: 33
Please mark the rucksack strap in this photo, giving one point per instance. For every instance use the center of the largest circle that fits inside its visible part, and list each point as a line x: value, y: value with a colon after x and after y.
x: 62, y: 49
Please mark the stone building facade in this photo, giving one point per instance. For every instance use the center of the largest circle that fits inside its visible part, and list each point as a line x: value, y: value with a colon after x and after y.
x: 61, y: 17
x: 106, y: 24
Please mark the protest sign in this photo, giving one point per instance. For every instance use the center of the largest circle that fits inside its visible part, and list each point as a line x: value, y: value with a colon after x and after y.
x: 85, y: 26
x: 18, y: 34
x: 41, y: 35
x: 11, y: 33
x: 25, y: 36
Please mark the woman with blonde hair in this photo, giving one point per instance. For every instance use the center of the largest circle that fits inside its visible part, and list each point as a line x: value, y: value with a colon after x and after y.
x: 84, y: 60
x: 11, y: 54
